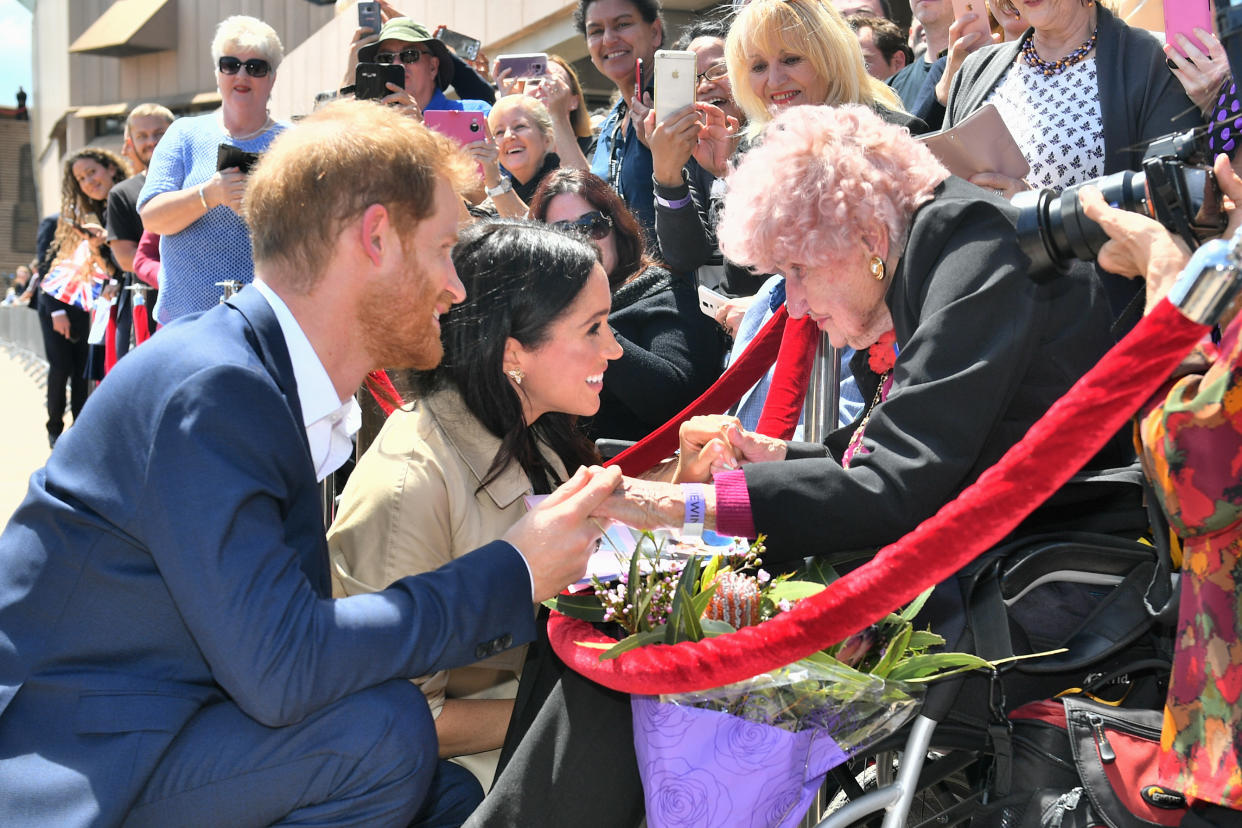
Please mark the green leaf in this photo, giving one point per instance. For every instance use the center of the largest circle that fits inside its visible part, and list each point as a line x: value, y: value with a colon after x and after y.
x: 583, y: 606
x: 713, y: 627
x: 928, y: 664
x: 922, y: 639
x: 709, y: 571
x: 631, y: 585
x: 704, y: 598
x: 894, y: 652
x: 819, y: 571
x: 912, y: 609
x: 793, y: 590
x: 681, y: 616
x: 632, y: 642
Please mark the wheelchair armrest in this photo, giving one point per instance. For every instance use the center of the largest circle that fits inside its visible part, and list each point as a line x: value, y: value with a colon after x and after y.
x: 1083, y: 557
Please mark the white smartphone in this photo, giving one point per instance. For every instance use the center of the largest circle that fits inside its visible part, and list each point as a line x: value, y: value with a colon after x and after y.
x: 710, y: 301
x: 674, y: 81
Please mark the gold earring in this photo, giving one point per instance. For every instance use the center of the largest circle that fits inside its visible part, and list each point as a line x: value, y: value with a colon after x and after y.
x: 516, y: 374
x: 877, y: 268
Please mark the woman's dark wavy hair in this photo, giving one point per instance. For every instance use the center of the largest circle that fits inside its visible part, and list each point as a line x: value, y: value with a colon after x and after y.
x: 632, y: 258
x: 649, y: 10
x: 520, y: 277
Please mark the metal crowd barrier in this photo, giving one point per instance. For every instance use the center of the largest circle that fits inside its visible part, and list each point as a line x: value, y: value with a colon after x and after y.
x: 19, y: 328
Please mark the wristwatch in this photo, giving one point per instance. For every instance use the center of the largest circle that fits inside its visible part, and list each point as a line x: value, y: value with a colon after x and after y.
x: 505, y: 185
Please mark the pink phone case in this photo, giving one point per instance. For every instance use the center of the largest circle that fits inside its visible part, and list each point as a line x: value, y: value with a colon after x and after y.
x: 1183, y: 17
x: 463, y: 127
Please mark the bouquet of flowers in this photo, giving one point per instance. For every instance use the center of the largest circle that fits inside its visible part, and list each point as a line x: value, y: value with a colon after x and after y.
x: 754, y: 753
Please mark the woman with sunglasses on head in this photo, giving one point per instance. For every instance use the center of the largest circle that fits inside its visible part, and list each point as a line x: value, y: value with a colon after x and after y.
x: 195, y: 207
x: 672, y: 351
x: 523, y: 358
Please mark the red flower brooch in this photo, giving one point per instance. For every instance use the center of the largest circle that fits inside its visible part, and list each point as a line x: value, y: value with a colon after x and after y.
x: 883, y: 354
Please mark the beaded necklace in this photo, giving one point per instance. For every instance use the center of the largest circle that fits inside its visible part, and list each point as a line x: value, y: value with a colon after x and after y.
x: 1056, y: 67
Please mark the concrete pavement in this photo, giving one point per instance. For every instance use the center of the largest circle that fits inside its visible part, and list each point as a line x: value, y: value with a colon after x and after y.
x: 23, y: 434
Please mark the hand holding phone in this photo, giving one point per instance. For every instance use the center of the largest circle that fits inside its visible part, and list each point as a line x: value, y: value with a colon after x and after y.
x: 369, y: 16
x: 710, y: 301
x: 675, y: 78
x: 371, y: 80
x: 1183, y: 17
x: 528, y: 65
x: 979, y: 25
x: 466, y: 48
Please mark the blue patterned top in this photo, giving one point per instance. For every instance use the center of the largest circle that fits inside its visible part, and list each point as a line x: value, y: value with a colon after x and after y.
x: 214, y: 248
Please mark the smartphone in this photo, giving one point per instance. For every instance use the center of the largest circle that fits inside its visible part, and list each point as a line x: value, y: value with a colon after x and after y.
x: 674, y: 82
x: 639, y: 86
x: 980, y: 24
x: 369, y: 17
x: 467, y: 48
x: 530, y: 65
x: 228, y: 156
x: 371, y: 80
x: 1183, y: 17
x: 710, y: 301
x: 464, y: 127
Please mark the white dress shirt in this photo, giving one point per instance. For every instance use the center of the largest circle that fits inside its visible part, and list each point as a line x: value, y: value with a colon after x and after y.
x: 330, y: 422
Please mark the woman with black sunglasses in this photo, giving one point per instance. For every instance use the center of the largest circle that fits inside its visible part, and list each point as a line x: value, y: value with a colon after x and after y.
x: 672, y: 351
x: 195, y: 206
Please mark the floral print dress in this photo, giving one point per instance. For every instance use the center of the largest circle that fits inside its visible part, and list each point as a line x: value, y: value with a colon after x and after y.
x: 1192, y: 447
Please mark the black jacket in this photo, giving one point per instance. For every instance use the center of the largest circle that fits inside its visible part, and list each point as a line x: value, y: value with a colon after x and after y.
x: 672, y: 353
x: 985, y: 351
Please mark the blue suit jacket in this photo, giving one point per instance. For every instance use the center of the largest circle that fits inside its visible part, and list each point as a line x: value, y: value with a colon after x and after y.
x: 171, y: 554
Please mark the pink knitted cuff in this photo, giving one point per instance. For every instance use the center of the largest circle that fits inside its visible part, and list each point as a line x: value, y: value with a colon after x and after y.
x: 733, y: 517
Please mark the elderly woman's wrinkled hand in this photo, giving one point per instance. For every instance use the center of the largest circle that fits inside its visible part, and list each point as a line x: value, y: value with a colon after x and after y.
x: 718, y: 135
x: 651, y: 505
x: 1201, y: 73
x: 671, y: 143
x: 1136, y: 246
x: 1002, y: 185
x: 705, y: 448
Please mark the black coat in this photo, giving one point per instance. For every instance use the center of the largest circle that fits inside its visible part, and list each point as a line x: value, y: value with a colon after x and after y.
x: 985, y: 351
x: 672, y: 353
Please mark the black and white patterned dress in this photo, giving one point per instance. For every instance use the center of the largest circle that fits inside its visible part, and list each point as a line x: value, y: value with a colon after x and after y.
x: 1055, y: 120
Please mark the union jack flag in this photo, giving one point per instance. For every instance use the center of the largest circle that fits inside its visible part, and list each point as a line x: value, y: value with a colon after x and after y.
x: 77, y: 280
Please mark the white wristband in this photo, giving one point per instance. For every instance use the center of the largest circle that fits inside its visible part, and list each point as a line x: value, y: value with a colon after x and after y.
x: 696, y: 511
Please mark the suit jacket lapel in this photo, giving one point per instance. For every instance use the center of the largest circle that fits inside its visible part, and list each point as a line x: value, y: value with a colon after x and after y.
x: 268, y: 340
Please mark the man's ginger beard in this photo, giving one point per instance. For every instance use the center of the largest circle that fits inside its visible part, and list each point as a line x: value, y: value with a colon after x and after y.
x: 396, y: 320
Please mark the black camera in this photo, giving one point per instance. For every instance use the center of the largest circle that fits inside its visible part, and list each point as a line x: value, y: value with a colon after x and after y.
x: 1175, y: 187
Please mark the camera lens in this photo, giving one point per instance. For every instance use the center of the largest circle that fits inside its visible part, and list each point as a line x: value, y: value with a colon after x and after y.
x: 1053, y: 230
x: 474, y: 126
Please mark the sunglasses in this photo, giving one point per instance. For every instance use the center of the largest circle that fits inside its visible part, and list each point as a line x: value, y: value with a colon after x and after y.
x: 713, y: 74
x: 595, y: 224
x: 406, y: 56
x: 255, y: 67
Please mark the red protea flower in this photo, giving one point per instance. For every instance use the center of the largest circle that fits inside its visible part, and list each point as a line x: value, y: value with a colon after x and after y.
x: 882, y: 355
x: 735, y: 601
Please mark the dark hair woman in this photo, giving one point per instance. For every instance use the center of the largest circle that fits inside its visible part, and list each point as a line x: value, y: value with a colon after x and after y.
x: 618, y: 33
x: 524, y: 356
x: 89, y: 175
x: 672, y: 351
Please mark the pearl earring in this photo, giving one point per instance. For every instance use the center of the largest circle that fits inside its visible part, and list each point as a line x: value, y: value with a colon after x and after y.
x: 877, y: 268
x: 516, y: 374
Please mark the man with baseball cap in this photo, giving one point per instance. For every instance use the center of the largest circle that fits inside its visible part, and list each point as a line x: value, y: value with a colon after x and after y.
x: 428, y: 64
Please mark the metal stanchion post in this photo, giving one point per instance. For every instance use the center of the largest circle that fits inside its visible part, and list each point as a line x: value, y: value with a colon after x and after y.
x: 823, y: 393
x: 228, y: 288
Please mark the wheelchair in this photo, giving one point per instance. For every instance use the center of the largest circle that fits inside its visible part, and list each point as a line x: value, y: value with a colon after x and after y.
x: 1088, y: 590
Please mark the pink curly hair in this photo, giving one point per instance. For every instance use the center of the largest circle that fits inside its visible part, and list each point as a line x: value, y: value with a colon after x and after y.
x: 821, y: 177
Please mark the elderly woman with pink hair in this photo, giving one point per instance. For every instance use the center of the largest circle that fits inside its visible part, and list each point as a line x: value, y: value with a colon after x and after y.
x: 874, y: 235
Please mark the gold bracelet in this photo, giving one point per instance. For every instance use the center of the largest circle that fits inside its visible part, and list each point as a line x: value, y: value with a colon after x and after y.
x: 203, y: 198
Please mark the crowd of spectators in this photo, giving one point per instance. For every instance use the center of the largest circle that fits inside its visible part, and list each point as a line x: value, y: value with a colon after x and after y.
x: 542, y: 305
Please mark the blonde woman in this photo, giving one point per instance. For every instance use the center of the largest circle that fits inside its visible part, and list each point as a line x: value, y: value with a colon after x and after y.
x: 785, y: 53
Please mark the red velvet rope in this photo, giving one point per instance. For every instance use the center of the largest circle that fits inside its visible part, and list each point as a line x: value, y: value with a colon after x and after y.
x: 384, y: 392
x: 1054, y: 449
x: 142, y: 324
x: 725, y: 391
x: 787, y: 393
